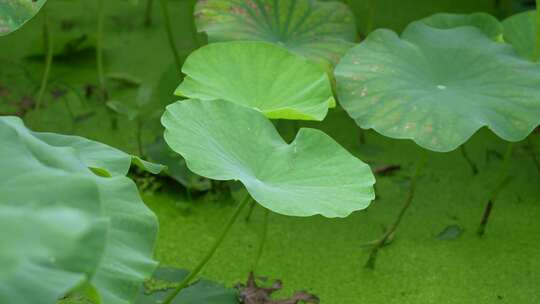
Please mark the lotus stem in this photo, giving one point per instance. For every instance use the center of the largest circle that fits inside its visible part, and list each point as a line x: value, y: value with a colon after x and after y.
x: 370, y: 264
x: 536, y: 55
x: 148, y: 13
x: 48, y: 44
x: 503, y: 180
x: 168, y: 28
x: 262, y: 242
x: 99, y: 50
x: 509, y: 7
x: 466, y: 156
x: 139, y: 137
x: 370, y: 22
x: 184, y: 283
x: 362, y: 137
x: 250, y: 210
x: 189, y: 195
x: 532, y: 153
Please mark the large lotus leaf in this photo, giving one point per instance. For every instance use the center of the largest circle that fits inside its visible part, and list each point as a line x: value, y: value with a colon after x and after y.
x: 488, y: 24
x: 312, y: 175
x: 438, y: 87
x: 258, y: 75
x: 520, y: 31
x: 15, y: 13
x: 64, y: 224
x: 317, y: 30
x: 52, y: 230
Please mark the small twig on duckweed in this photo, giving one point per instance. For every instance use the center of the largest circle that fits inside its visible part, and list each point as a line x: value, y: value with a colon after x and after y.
x: 48, y: 44
x: 370, y: 264
x: 185, y: 282
x: 466, y: 156
x: 503, y: 180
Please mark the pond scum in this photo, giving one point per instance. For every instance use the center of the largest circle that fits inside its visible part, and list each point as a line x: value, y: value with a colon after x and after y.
x: 269, y: 152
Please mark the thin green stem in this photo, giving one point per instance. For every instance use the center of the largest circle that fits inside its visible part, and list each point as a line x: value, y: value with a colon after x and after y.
x: 139, y: 137
x: 536, y: 55
x: 466, y: 156
x: 99, y: 50
x: 370, y: 22
x: 362, y: 136
x: 48, y: 43
x: 70, y: 112
x: 502, y: 181
x: 184, y: 283
x: 148, y: 13
x: 189, y: 195
x: 508, y: 7
x: 262, y: 242
x: 530, y: 148
x: 421, y: 162
x: 250, y: 210
x: 168, y: 28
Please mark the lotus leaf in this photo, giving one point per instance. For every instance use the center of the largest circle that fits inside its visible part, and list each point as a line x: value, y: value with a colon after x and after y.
x: 258, y: 75
x: 312, y: 175
x: 311, y: 28
x: 438, y: 87
x: 15, y: 13
x: 62, y: 225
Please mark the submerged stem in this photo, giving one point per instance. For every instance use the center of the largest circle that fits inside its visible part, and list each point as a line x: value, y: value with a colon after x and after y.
x: 532, y: 153
x: 536, y: 55
x: 139, y: 137
x: 184, y: 283
x: 170, y: 37
x: 148, y: 13
x: 262, y: 242
x: 503, y: 180
x: 412, y: 190
x: 371, y: 17
x: 474, y: 169
x: 48, y: 43
x: 99, y: 50
x: 250, y: 210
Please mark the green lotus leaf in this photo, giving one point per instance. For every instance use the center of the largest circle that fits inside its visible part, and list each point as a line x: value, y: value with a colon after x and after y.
x: 64, y: 225
x: 312, y: 175
x: 15, y: 13
x: 520, y: 32
x: 258, y: 75
x: 322, y: 31
x: 438, y: 87
x: 488, y: 24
